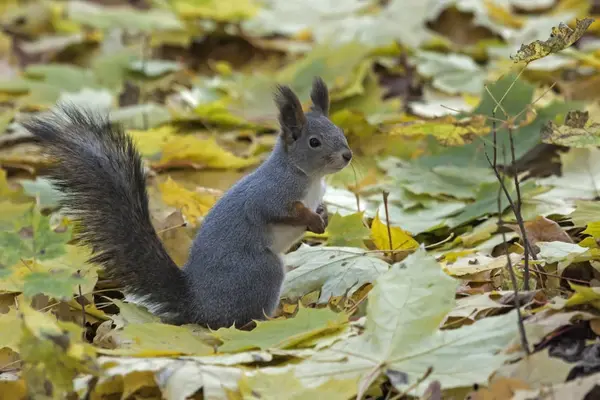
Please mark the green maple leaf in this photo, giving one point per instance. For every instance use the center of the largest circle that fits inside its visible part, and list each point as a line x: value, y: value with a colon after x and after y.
x: 402, y: 336
x: 284, y: 333
x: 348, y: 230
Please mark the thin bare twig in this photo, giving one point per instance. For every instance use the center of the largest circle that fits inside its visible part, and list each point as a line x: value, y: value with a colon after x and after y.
x: 356, y: 186
x: 513, y: 278
x: 518, y: 215
x: 498, y: 103
x: 168, y: 228
x: 145, y: 50
x: 414, y: 385
x: 511, y: 271
x: 80, y: 301
x: 516, y: 208
x: 387, y: 218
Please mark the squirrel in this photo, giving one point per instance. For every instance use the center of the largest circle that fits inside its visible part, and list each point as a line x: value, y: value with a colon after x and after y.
x: 235, y: 268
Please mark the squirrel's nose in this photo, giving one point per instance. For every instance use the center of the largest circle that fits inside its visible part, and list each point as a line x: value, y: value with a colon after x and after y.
x: 347, y: 155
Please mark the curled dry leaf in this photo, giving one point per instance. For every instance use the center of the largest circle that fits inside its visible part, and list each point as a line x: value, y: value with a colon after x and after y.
x: 576, y: 131
x: 562, y: 37
x: 542, y: 229
x: 502, y: 388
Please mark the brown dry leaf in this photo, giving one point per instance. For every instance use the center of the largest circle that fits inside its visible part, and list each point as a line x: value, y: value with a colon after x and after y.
x: 503, y: 388
x: 595, y: 326
x: 537, y: 370
x: 542, y: 229
x: 576, y: 389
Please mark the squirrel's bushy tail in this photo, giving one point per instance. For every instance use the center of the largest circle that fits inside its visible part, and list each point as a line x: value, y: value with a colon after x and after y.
x: 101, y: 175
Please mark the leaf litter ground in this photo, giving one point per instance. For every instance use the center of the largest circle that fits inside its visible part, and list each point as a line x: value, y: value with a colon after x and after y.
x: 408, y: 292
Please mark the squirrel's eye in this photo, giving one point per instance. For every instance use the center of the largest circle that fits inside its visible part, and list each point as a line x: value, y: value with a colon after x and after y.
x: 314, y: 142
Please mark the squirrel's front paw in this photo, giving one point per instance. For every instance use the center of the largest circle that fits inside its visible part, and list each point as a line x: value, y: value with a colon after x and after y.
x: 316, y: 224
x: 322, y: 211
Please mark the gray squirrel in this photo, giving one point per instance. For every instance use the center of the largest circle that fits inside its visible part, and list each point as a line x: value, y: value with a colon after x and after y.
x: 235, y: 269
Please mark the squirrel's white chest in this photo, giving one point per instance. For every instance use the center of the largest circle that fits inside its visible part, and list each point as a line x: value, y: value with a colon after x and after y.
x: 284, y: 236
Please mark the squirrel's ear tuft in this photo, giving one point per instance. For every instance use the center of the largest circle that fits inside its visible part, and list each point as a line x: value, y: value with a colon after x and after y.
x: 320, y: 96
x: 291, y: 115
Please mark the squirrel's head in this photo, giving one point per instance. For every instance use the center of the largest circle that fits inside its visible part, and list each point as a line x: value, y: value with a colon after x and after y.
x: 313, y: 143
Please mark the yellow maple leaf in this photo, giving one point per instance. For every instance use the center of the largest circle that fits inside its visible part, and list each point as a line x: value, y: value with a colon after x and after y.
x: 227, y: 11
x: 447, y: 130
x: 401, y: 240
x: 201, y: 152
x: 151, y: 141
x: 193, y: 205
x: 154, y: 339
x: 53, y: 353
x: 593, y: 229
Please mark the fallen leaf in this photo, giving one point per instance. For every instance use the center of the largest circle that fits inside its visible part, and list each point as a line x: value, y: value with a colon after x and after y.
x: 561, y: 38
x: 347, y: 231
x: 400, y: 240
x: 193, y: 205
x: 335, y: 271
x: 235, y: 11
x: 486, y: 202
x: 122, y: 17
x: 207, y: 153
x: 593, y: 229
x: 471, y: 306
x: 177, y: 378
x: 458, y: 182
x: 154, y: 68
x: 284, y: 333
x: 9, y: 334
x: 451, y: 73
x: 474, y: 263
x: 448, y: 131
x: 267, y: 386
x: 576, y: 131
x: 130, y: 313
x: 503, y: 388
x: 150, y: 142
x: 575, y: 389
x: 405, y: 308
x: 585, y: 211
x: 542, y: 229
x: 561, y: 252
x: 44, y: 192
x: 346, y: 22
x: 159, y: 340
x: 53, y: 353
x: 537, y: 370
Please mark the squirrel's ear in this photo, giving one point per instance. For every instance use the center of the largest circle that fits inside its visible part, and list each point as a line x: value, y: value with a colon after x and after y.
x: 291, y: 115
x: 320, y: 96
